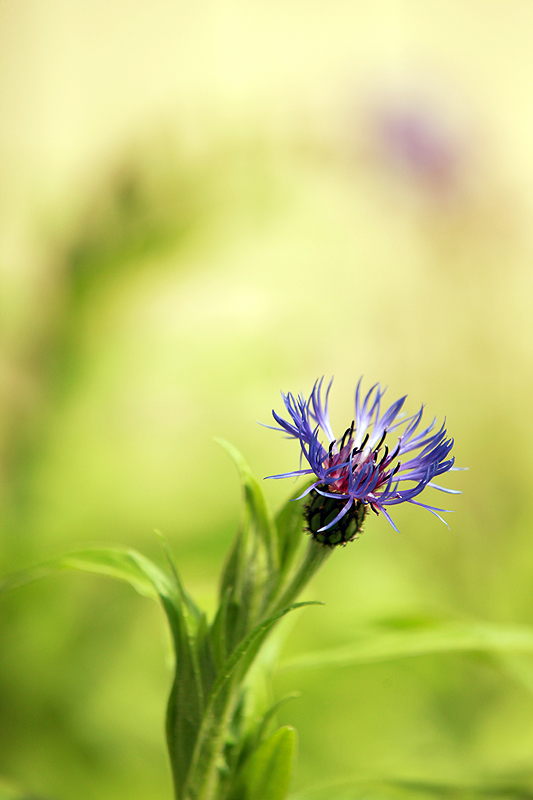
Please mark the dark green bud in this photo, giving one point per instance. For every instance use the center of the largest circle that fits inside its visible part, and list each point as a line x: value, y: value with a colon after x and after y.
x: 320, y: 511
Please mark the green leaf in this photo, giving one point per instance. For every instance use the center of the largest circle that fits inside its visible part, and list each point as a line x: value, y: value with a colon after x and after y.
x: 219, y: 631
x: 266, y: 719
x: 123, y: 564
x: 259, y: 730
x: 205, y: 655
x: 266, y: 773
x: 8, y: 791
x: 251, y: 570
x: 422, y: 788
x: 194, y: 671
x: 404, y: 789
x: 454, y: 636
x: 256, y: 507
x: 518, y: 666
x: 201, y: 782
x: 193, y: 611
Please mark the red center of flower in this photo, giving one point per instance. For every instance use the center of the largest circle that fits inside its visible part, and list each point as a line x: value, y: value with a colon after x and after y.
x: 353, y: 460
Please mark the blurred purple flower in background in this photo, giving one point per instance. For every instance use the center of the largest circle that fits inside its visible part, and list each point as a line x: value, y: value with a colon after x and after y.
x: 417, y: 141
x: 420, y: 129
x: 360, y: 470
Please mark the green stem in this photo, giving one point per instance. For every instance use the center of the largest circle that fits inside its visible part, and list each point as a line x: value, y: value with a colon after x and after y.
x: 202, y: 783
x: 314, y: 557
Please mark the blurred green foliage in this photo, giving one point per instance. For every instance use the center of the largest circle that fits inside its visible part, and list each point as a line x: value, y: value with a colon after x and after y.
x: 169, y: 298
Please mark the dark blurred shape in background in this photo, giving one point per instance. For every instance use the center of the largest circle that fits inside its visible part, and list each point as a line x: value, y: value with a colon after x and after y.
x: 414, y: 141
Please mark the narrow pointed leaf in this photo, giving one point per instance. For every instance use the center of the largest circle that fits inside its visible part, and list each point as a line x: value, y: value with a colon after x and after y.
x: 205, y: 656
x: 193, y: 666
x: 191, y: 607
x: 250, y: 574
x: 254, y: 500
x: 267, y: 772
x: 266, y: 719
x: 123, y: 564
x: 260, y: 729
x: 518, y: 666
x: 439, y: 637
x: 218, y: 708
x: 8, y: 791
x: 403, y: 789
x: 218, y: 631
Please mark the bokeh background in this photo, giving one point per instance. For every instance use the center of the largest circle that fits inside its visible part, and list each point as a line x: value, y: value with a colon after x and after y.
x: 202, y: 204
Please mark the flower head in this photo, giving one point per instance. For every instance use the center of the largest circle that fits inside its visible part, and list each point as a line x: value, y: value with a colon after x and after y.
x: 381, y: 460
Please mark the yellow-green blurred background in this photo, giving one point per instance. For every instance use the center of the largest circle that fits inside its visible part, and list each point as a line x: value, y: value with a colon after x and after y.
x: 202, y: 204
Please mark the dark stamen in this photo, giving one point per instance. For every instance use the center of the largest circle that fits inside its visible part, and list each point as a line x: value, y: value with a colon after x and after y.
x: 381, y: 441
x: 397, y: 450
x: 330, y: 451
x: 347, y: 434
x: 384, y: 457
x: 363, y: 443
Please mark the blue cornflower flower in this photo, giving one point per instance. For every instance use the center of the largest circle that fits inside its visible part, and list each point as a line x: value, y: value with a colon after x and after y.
x: 361, y: 471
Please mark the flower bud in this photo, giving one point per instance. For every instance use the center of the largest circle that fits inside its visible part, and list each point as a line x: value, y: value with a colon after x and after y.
x: 321, y: 512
